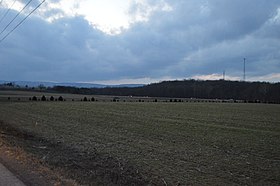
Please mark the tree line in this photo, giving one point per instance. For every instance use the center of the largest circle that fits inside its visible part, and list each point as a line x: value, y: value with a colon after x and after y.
x: 263, y: 92
x: 212, y: 89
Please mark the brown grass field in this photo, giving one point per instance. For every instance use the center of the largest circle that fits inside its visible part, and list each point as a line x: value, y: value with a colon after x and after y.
x: 131, y: 143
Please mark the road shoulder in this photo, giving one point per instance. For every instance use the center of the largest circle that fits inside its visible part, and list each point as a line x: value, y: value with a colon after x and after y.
x: 27, y: 169
x: 8, y: 178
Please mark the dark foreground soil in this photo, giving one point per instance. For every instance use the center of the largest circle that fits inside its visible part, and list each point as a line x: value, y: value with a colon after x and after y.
x: 40, y: 161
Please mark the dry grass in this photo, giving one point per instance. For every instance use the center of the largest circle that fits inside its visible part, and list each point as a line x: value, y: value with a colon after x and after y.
x: 28, y: 167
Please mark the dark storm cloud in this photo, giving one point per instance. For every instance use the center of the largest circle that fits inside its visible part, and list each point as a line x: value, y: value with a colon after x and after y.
x: 205, y: 37
x: 196, y: 37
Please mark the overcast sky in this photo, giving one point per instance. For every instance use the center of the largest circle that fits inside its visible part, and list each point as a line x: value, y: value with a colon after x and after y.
x: 141, y: 41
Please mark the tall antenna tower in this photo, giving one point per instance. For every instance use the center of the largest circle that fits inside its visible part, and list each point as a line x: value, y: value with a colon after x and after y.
x: 244, y: 70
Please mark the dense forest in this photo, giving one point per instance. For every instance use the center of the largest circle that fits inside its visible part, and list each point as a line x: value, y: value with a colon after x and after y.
x: 218, y: 89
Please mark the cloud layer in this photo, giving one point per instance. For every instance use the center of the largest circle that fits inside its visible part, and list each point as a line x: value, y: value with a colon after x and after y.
x: 153, y: 40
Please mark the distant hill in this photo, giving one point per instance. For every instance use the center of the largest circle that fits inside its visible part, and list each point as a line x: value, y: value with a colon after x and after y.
x: 78, y: 85
x: 215, y: 89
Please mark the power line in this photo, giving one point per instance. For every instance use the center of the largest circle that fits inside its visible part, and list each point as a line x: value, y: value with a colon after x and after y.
x: 21, y: 21
x: 6, y: 13
x: 15, y: 17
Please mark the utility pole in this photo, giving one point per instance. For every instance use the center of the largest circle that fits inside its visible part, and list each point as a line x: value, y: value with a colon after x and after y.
x: 244, y: 70
x: 224, y: 74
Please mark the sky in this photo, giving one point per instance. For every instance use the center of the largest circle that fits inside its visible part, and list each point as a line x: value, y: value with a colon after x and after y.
x: 140, y: 41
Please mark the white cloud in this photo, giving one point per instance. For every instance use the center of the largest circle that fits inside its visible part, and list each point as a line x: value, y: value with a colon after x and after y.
x: 106, y: 15
x: 141, y: 10
x: 110, y: 16
x: 144, y: 80
x: 205, y: 9
x: 276, y: 18
x: 274, y: 77
x: 215, y: 77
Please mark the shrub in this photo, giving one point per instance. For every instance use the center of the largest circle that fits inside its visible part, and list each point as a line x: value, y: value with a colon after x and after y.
x: 51, y: 98
x: 43, y: 98
x: 34, y: 98
x: 60, y: 98
x: 92, y: 99
x: 85, y: 99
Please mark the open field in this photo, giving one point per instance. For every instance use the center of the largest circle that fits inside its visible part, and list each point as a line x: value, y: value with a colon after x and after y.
x: 11, y: 95
x: 151, y: 143
x: 22, y: 96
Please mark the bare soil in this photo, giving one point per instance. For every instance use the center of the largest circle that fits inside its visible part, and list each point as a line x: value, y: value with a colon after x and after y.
x: 39, y: 161
x: 148, y: 143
